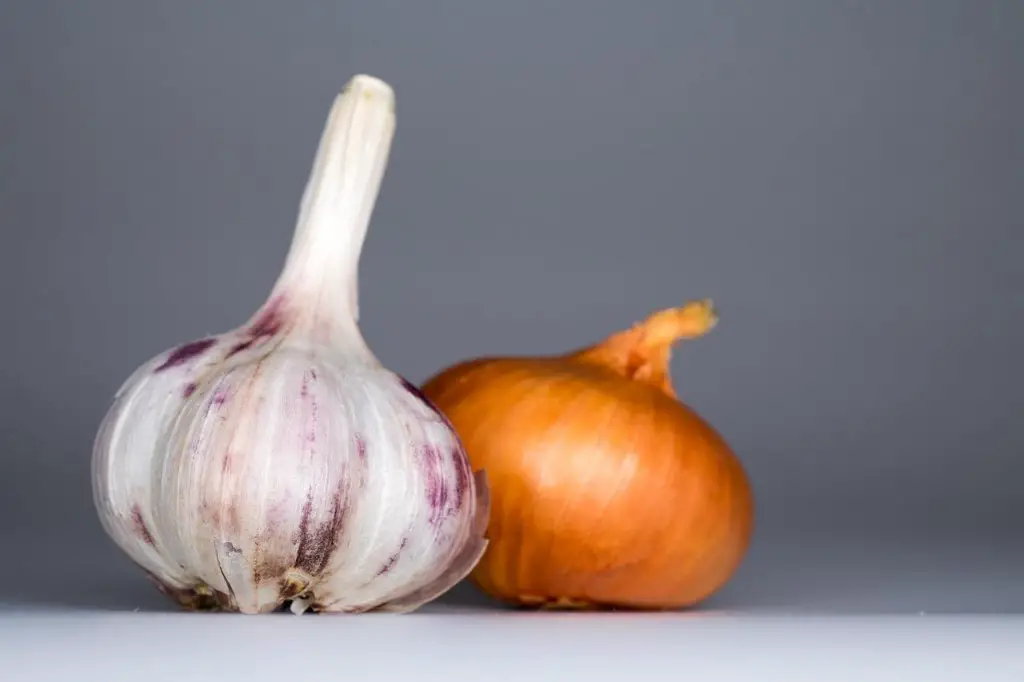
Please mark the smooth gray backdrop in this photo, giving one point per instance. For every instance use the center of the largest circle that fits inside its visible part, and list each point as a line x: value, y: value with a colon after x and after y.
x: 843, y: 178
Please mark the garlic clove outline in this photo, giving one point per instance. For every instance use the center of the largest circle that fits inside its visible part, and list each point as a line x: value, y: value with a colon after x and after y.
x: 280, y: 464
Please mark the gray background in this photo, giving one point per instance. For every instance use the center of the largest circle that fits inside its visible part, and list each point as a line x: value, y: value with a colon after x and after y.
x: 841, y: 177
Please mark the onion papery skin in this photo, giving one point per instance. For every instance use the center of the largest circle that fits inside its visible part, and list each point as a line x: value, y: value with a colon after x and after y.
x: 606, y: 489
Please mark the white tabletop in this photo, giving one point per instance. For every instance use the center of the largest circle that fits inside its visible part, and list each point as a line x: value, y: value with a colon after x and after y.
x: 444, y: 643
x: 825, y: 609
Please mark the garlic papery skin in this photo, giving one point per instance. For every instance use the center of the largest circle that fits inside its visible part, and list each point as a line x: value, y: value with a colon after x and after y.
x: 280, y: 463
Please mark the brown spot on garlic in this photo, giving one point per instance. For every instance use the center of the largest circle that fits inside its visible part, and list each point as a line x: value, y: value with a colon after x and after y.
x: 293, y: 585
x: 268, y: 567
x: 198, y: 598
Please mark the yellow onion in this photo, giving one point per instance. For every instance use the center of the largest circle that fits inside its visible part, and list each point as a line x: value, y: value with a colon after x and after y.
x: 606, y: 490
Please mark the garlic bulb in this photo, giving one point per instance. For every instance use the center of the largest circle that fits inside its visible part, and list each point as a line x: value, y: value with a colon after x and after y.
x: 280, y: 463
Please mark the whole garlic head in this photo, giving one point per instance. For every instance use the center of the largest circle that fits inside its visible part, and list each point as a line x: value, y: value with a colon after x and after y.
x: 281, y: 463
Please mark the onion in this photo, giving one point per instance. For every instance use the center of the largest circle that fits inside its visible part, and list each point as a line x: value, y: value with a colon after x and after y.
x: 607, y: 491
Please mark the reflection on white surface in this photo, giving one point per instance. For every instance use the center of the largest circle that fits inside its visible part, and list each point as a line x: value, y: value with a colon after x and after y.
x: 802, y: 608
x: 490, y: 646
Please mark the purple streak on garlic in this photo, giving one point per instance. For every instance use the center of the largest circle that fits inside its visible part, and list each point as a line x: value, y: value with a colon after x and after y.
x: 280, y: 463
x: 186, y: 352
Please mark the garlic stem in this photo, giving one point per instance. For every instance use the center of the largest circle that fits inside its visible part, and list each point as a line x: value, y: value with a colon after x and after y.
x: 320, y: 276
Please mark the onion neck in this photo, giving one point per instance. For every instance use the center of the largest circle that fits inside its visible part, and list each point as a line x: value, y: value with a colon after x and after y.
x: 317, y: 290
x: 643, y: 352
